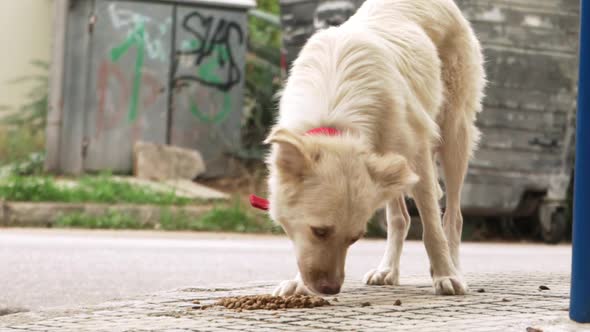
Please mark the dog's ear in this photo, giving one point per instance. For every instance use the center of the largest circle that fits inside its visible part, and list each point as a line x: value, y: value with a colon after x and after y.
x: 290, y: 156
x: 391, y: 172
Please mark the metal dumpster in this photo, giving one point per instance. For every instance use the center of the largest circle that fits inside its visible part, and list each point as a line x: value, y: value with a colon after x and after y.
x: 169, y: 72
x: 525, y: 160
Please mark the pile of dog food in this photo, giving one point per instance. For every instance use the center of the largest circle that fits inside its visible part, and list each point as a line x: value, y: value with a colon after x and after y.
x: 269, y: 302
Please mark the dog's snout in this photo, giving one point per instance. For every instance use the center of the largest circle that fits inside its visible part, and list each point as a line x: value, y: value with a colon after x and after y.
x: 328, y: 287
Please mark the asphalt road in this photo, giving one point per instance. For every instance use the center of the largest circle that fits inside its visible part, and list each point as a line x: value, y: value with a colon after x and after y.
x: 41, y: 268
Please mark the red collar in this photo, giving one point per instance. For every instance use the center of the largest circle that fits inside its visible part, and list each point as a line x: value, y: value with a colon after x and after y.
x: 262, y: 203
x: 328, y: 131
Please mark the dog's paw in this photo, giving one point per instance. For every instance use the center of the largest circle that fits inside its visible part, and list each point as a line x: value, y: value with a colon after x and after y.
x: 450, y: 285
x: 382, y: 277
x: 291, y: 287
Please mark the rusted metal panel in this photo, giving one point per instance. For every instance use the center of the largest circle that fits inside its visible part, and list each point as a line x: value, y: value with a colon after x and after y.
x: 529, y: 25
x: 208, y: 80
x: 502, y: 138
x: 74, y: 88
x: 128, y: 81
x: 513, y: 160
x: 531, y: 61
x: 520, y: 119
x: 300, y: 18
x: 217, y: 3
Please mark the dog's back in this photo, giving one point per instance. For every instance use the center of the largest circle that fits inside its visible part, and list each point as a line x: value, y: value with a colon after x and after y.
x: 392, y: 57
x: 458, y: 50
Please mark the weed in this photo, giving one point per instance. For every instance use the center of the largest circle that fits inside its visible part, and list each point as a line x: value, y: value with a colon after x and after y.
x: 175, y: 221
x: 30, y: 165
x: 33, y: 112
x: 23, y: 127
x: 104, y: 189
x: 221, y: 219
x: 101, y: 189
x: 17, y: 145
x: 232, y: 218
x: 111, y: 220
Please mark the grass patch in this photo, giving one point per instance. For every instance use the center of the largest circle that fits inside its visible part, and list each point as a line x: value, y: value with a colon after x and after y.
x: 111, y: 220
x: 231, y: 218
x: 101, y: 189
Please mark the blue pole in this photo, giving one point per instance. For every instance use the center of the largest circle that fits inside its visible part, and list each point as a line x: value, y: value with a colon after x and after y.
x: 580, y: 291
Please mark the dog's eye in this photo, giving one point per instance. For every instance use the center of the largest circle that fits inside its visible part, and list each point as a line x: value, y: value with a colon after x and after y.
x: 321, y: 232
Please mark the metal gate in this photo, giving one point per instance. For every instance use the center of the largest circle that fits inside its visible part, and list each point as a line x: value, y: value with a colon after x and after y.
x: 159, y: 71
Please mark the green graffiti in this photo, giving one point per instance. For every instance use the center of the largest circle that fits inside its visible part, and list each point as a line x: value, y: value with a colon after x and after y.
x: 217, y: 118
x: 188, y: 45
x: 136, y: 37
x: 208, y: 71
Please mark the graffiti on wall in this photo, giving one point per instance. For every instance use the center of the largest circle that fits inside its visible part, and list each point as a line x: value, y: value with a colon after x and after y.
x: 112, y: 104
x: 205, y: 61
x: 210, y: 53
x: 154, y: 39
x: 135, y: 39
x: 126, y: 89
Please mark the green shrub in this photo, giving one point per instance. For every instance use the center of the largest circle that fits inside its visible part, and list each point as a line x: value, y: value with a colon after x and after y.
x: 22, y: 128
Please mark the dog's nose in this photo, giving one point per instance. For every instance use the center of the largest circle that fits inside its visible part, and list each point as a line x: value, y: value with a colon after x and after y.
x: 327, y: 287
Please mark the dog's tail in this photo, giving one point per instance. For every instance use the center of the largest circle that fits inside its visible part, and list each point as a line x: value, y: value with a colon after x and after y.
x: 462, y: 63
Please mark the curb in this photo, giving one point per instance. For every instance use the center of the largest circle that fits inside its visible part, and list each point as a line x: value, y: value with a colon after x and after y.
x: 44, y: 214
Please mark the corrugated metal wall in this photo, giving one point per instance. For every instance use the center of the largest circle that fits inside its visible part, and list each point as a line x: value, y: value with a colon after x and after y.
x: 152, y: 71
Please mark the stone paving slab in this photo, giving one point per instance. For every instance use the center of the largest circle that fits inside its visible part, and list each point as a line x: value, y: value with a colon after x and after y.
x: 496, y: 302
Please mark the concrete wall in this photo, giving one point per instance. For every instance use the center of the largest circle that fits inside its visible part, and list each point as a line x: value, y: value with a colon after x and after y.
x: 25, y: 32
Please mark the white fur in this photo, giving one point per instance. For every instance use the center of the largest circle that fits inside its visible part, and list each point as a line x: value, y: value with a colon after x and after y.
x: 403, y: 79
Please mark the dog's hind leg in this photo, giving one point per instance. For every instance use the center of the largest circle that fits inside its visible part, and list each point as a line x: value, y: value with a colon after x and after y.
x: 464, y: 79
x: 398, y: 224
x: 454, y: 158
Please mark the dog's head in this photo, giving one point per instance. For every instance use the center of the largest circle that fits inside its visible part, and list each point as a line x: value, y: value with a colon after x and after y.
x: 323, y: 190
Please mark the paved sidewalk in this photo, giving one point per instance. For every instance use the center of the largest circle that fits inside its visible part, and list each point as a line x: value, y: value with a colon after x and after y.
x: 497, y: 302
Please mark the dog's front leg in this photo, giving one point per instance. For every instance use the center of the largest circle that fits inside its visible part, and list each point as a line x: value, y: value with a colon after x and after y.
x: 447, y: 279
x: 398, y: 224
x: 291, y: 287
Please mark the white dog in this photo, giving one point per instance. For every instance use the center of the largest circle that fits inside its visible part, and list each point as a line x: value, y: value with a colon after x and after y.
x: 387, y: 92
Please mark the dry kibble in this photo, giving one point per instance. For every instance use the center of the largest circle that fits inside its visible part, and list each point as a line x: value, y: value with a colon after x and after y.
x: 365, y: 304
x: 398, y: 302
x: 505, y: 300
x: 268, y: 302
x: 481, y: 290
x: 543, y: 287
